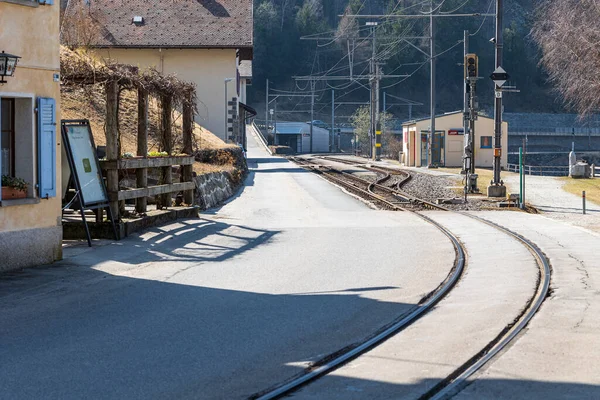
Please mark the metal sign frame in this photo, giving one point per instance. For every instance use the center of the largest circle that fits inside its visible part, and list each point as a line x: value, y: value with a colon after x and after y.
x: 499, y: 76
x: 64, y: 124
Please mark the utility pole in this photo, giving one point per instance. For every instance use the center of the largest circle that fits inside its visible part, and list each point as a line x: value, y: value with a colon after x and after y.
x: 497, y: 188
x: 432, y: 86
x: 372, y: 81
x: 467, y: 138
x: 267, y: 113
x: 375, y: 133
x: 275, y: 120
x: 332, y: 139
x: 383, y: 114
x: 312, y: 111
x: 377, y: 115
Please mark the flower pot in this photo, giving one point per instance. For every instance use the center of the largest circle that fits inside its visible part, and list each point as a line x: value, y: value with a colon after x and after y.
x: 10, y: 193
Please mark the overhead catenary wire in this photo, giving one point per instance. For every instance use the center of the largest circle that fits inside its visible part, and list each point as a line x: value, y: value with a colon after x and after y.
x: 385, y: 51
x: 484, y: 19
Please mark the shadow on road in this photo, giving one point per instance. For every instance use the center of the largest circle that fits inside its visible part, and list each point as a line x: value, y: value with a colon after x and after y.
x: 77, y: 331
x: 94, y: 325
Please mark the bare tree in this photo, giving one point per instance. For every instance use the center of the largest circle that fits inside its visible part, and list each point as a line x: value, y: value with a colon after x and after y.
x: 80, y: 27
x: 361, y: 122
x: 569, y: 37
x: 348, y: 27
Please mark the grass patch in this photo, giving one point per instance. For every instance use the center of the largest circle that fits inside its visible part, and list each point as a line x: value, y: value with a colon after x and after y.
x: 591, y: 187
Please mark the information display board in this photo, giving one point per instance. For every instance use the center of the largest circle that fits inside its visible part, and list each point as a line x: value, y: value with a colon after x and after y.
x: 81, y: 150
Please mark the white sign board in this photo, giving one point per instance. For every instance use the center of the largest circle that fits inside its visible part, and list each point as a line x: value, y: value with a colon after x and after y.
x: 86, y: 164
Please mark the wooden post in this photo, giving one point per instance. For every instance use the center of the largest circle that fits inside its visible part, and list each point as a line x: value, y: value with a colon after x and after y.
x: 112, y: 142
x: 142, y: 147
x: 188, y: 131
x: 167, y: 143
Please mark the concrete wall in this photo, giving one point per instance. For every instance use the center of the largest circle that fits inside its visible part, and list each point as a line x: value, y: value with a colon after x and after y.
x: 30, y: 234
x: 454, y: 143
x: 207, y: 68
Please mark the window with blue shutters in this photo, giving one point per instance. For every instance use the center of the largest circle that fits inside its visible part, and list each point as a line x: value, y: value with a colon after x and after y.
x: 46, y: 147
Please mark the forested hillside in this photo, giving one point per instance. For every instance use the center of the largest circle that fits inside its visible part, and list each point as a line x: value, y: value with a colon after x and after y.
x: 281, y: 54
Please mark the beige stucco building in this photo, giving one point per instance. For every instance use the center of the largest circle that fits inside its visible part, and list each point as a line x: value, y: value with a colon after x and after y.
x: 448, y: 143
x: 30, y: 228
x: 200, y: 42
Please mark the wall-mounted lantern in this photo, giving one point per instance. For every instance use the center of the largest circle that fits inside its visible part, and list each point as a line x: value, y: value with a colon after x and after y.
x: 8, y: 64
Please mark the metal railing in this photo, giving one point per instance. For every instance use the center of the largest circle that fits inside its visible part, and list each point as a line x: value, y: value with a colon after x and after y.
x: 261, y: 136
x: 540, y: 170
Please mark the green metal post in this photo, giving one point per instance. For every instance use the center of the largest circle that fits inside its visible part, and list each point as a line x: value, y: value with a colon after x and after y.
x: 521, y: 200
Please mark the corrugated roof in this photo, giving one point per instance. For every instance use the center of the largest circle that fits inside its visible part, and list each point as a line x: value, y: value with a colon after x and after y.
x: 173, y: 23
x: 296, y: 128
x: 292, y: 128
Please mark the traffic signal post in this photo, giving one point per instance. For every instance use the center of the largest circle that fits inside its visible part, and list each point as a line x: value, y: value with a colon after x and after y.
x: 497, y: 188
x: 471, y: 76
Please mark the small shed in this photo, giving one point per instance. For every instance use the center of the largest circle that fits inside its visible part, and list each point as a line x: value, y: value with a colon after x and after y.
x: 448, y: 142
x: 296, y: 135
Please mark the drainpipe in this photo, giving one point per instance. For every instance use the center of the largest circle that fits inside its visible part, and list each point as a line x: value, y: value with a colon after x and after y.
x: 162, y: 61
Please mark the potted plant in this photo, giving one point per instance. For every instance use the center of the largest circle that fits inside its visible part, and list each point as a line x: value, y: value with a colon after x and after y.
x: 13, y: 188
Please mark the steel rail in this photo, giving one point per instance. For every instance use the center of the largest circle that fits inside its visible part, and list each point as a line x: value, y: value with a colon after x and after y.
x: 385, y: 170
x: 451, y: 387
x: 424, y: 306
x: 458, y: 379
x: 332, y: 176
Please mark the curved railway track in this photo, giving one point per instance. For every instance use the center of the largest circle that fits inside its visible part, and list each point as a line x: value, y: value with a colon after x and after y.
x: 396, y: 199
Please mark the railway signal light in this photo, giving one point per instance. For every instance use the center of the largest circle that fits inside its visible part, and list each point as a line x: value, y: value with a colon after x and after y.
x: 471, y: 66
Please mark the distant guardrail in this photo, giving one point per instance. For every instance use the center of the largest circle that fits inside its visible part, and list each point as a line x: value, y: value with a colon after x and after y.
x: 540, y: 170
x: 261, y: 137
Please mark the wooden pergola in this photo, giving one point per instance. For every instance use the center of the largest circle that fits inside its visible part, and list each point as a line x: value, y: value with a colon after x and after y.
x: 79, y: 69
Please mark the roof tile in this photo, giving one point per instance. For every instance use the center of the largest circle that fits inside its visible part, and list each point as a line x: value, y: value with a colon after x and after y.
x: 174, y: 23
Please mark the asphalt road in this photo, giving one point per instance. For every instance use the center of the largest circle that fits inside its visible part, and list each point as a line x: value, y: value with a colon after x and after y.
x: 220, y: 307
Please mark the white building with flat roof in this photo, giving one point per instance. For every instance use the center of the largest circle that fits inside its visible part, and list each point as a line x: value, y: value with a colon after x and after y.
x: 447, y: 145
x: 296, y: 135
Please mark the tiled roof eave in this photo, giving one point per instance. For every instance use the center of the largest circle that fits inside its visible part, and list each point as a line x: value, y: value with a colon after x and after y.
x: 171, y: 46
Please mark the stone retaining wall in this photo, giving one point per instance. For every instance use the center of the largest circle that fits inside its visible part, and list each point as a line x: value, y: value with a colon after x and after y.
x: 214, y: 188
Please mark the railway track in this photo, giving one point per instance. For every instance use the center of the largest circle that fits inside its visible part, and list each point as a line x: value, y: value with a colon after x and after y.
x: 396, y: 199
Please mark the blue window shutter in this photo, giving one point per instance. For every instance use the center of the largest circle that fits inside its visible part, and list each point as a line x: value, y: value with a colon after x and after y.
x: 46, y: 147
x: 47, y: 2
